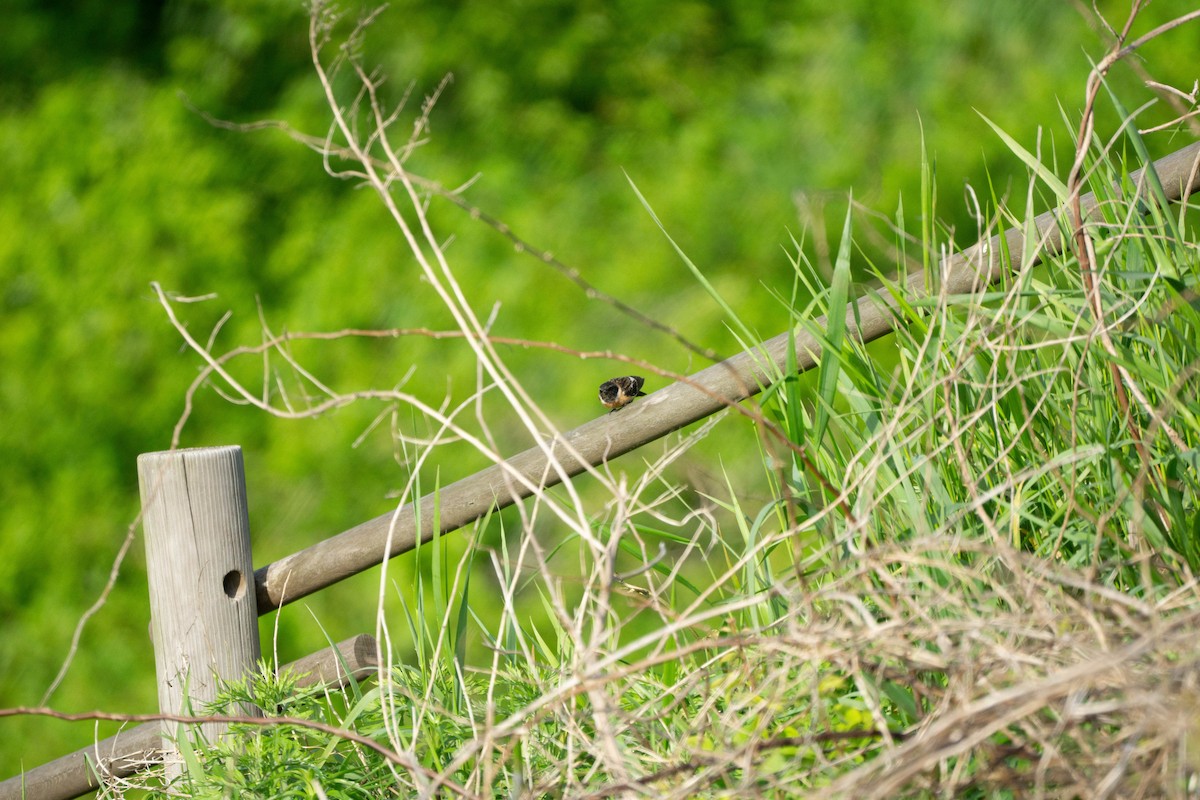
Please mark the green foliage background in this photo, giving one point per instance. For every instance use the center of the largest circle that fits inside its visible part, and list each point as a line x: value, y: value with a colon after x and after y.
x: 720, y: 112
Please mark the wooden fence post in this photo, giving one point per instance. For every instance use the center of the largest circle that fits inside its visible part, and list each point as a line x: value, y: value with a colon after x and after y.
x: 204, y: 616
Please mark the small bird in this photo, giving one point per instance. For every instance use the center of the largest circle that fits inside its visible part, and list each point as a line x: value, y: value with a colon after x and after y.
x: 619, y: 392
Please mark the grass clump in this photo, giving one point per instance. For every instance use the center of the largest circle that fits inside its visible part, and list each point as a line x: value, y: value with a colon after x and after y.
x: 967, y: 571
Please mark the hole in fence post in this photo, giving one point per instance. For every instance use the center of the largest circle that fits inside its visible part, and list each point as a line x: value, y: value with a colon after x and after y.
x: 235, y: 584
x: 197, y: 531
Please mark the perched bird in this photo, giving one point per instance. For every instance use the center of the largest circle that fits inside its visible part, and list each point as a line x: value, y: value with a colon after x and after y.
x: 619, y: 392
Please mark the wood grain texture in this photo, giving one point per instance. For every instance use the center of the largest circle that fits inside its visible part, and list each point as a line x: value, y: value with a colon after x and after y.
x: 204, y: 619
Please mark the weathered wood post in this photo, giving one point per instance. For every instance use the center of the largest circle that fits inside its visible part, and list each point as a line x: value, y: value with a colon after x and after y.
x: 204, y: 616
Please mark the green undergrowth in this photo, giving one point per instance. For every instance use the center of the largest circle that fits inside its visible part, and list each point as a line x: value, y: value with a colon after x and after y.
x: 955, y: 524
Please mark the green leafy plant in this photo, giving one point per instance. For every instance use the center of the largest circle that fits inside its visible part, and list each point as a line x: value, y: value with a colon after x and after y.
x: 967, y: 566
